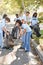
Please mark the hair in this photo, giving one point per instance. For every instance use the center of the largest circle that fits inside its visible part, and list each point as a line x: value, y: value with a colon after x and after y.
x: 19, y: 21
x: 16, y: 14
x: 8, y: 19
x: 28, y: 12
x: 35, y: 14
x: 5, y: 15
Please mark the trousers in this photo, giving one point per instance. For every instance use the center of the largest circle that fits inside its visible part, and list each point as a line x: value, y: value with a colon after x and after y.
x: 26, y: 41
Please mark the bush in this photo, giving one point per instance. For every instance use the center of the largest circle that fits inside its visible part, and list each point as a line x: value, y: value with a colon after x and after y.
x: 41, y: 17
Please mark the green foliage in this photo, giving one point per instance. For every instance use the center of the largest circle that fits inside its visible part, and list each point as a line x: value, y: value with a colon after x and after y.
x: 41, y: 32
x: 41, y: 17
x: 12, y: 6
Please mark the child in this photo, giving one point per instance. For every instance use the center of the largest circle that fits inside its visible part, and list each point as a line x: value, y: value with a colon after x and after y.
x: 26, y: 33
x: 35, y: 24
x: 2, y: 28
x: 17, y: 18
x: 9, y: 43
x: 15, y: 31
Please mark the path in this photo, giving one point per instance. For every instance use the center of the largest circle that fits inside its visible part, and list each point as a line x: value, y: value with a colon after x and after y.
x: 19, y: 57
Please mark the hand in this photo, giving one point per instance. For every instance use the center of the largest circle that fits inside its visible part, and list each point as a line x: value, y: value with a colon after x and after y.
x: 7, y: 33
x: 21, y: 34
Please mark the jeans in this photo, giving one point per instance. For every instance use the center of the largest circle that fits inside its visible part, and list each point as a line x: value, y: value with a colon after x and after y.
x: 3, y: 33
x: 26, y: 41
x: 1, y: 40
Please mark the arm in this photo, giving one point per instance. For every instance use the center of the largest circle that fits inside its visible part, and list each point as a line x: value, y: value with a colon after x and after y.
x: 22, y: 32
x: 5, y: 30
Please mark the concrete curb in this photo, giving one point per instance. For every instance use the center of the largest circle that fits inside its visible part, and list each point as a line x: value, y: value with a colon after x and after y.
x: 38, y: 50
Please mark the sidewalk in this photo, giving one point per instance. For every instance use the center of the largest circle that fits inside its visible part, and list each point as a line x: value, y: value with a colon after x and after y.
x: 18, y: 57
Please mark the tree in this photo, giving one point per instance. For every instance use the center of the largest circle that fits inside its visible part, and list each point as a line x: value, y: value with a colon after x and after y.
x: 12, y: 6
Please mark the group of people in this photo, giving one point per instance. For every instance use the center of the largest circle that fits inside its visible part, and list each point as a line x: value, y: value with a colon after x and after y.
x: 25, y: 30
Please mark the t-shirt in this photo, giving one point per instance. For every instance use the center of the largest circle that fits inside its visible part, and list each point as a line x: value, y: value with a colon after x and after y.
x: 2, y: 24
x: 34, y: 20
x: 26, y: 26
x: 20, y: 17
x: 26, y: 18
x: 16, y: 19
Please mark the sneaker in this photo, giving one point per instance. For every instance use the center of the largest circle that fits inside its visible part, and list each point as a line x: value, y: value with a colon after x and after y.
x: 21, y: 48
x: 26, y: 51
x: 5, y: 47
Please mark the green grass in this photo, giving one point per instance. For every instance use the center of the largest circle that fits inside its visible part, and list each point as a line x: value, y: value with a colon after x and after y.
x: 39, y: 40
x: 41, y: 32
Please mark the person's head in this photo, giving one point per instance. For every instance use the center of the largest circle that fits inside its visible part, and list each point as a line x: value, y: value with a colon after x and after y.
x: 23, y: 21
x: 35, y: 14
x: 7, y: 20
x: 18, y: 23
x: 27, y: 13
x: 5, y: 15
x: 17, y: 15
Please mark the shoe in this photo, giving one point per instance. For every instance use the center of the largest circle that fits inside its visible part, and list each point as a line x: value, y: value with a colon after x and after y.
x: 5, y: 47
x: 10, y: 48
x: 21, y: 48
x: 26, y: 51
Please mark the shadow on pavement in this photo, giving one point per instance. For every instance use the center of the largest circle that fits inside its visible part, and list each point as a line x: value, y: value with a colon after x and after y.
x: 5, y: 52
x: 22, y: 58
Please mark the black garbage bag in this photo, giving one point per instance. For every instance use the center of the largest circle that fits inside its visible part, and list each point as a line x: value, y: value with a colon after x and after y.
x: 37, y: 30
